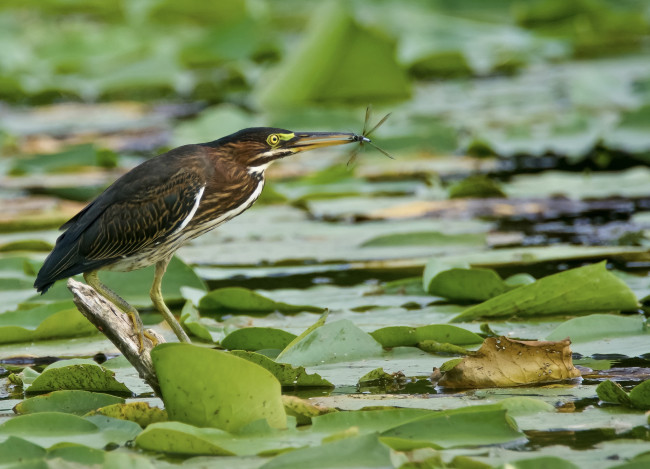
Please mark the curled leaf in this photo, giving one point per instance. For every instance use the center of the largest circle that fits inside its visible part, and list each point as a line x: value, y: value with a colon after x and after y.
x: 502, y: 362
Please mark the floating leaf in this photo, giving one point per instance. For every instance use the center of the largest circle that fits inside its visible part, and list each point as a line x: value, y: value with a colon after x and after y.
x: 50, y: 321
x: 257, y: 338
x: 502, y: 362
x: 540, y: 463
x: 231, y: 299
x: 193, y: 323
x: 139, y: 412
x: 459, y: 282
x: 598, y: 326
x: 479, y: 186
x: 359, y: 451
x: 73, y: 158
x: 334, y: 342
x: 426, y: 238
x: 319, y: 323
x: 231, y: 393
x: 610, y: 391
x: 70, y: 401
x: 50, y: 428
x: 352, y: 63
x: 77, y: 374
x: 469, y: 426
x: 585, y: 289
x: 397, y: 336
x: 289, y: 376
x: 180, y: 438
x: 638, y: 397
x: 26, y: 245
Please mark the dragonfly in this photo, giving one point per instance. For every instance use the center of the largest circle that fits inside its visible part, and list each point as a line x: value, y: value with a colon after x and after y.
x: 362, y: 138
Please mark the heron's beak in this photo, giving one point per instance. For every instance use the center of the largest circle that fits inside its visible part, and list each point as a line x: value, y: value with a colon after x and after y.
x: 304, y: 141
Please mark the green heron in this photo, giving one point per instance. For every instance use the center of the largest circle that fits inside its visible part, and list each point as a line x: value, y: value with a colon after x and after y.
x: 149, y: 212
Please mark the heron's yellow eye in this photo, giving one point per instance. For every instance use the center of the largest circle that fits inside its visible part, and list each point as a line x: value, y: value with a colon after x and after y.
x: 273, y: 140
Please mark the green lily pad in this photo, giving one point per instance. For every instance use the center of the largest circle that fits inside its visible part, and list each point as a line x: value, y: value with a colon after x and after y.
x: 50, y: 428
x: 231, y: 393
x: 289, y: 376
x: 585, y: 289
x: 461, y: 283
x: 73, y: 158
x: 368, y: 421
x: 397, y: 336
x: 352, y: 63
x: 476, y: 186
x: 319, y: 323
x: 333, y: 342
x: 49, y: 321
x: 610, y: 391
x: 139, y: 412
x: 470, y: 426
x: 426, y: 238
x: 638, y: 397
x: 231, y: 299
x: 78, y: 374
x: 257, y: 338
x: 598, y: 326
x: 34, y: 245
x: 357, y: 451
x: 18, y: 450
x: 181, y: 438
x: 194, y: 324
x: 76, y: 402
x: 540, y: 463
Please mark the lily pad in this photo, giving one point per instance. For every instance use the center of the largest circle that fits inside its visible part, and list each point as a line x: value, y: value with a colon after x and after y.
x: 352, y: 63
x: 426, y: 238
x: 287, y: 375
x: 576, y: 291
x: 79, y: 374
x: 74, y: 158
x: 76, y: 402
x: 357, y: 451
x: 333, y: 342
x: 139, y: 412
x: 469, y: 426
x: 232, y: 392
x: 49, y: 321
x: 50, y: 428
x: 231, y: 299
x: 397, y: 336
x: 638, y: 397
x: 462, y: 283
x: 599, y: 326
x: 257, y: 338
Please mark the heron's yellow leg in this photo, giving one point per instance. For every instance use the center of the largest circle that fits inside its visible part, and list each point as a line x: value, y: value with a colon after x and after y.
x: 159, y: 303
x: 93, y: 280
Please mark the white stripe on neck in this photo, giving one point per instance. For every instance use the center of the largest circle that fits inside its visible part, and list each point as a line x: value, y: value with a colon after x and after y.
x: 259, y: 170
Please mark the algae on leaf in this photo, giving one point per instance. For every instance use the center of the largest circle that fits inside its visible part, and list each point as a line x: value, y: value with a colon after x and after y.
x: 77, y: 374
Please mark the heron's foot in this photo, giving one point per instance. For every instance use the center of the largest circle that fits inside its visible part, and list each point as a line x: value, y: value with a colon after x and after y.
x: 140, y: 331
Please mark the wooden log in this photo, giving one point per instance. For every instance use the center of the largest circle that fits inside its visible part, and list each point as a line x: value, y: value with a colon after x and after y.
x: 118, y: 328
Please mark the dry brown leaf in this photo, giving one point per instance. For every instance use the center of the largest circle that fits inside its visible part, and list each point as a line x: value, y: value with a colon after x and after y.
x: 502, y: 362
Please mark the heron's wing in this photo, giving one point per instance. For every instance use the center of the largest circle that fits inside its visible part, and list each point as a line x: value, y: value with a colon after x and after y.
x: 142, y: 208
